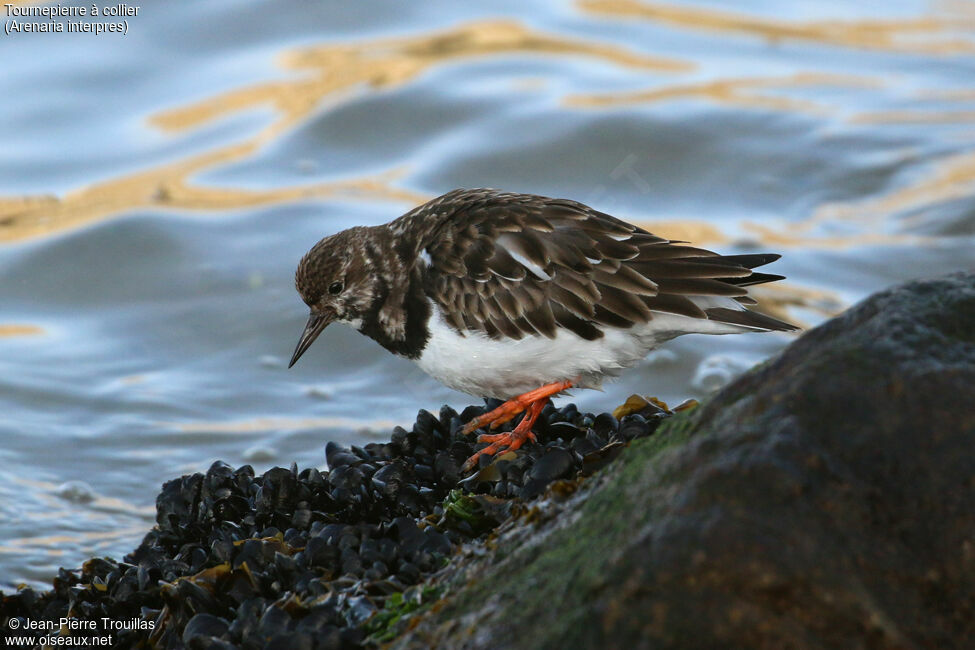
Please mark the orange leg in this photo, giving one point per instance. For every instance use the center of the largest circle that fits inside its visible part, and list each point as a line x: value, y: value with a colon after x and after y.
x: 534, y: 401
x: 509, y: 441
x: 514, y: 406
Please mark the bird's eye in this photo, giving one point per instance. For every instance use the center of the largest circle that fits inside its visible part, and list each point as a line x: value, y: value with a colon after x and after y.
x: 335, y: 288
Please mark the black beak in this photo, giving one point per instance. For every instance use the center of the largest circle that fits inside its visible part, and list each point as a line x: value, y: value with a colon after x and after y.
x: 316, y: 323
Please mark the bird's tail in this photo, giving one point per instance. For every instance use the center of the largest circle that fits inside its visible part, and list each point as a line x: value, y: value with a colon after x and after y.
x: 746, y: 317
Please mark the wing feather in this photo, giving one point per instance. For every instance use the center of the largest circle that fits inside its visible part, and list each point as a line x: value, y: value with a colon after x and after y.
x: 510, y: 265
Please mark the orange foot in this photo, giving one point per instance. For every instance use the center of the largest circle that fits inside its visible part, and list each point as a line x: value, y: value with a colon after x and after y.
x: 534, y: 401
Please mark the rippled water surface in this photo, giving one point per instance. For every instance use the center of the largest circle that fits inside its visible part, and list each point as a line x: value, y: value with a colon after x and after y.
x: 158, y: 188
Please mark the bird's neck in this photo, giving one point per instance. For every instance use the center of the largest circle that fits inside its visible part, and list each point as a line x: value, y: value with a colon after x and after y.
x: 397, y: 317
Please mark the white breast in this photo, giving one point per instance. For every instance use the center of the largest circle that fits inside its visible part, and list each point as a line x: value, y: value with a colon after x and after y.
x: 502, y: 368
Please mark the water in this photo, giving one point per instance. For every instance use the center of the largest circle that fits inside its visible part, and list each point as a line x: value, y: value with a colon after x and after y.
x: 158, y: 188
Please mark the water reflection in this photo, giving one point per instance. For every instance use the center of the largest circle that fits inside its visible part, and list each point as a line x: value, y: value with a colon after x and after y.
x: 742, y: 93
x: 19, y: 329
x: 330, y: 73
x: 917, y: 35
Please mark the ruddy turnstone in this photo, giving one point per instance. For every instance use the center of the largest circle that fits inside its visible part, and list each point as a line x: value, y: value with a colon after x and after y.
x: 520, y: 297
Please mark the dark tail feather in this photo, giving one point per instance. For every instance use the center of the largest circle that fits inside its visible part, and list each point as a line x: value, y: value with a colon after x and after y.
x: 744, y: 317
x: 754, y: 278
x: 748, y: 319
x: 749, y: 261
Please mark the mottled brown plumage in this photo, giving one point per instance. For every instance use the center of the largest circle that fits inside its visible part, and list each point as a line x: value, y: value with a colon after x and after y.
x: 585, y: 268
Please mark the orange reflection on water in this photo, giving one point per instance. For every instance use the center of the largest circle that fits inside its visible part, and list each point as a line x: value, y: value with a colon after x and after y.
x: 19, y: 329
x: 932, y: 116
x: 334, y: 69
x: 324, y: 73
x: 919, y: 35
x: 741, y: 92
x: 952, y: 177
x: 58, y: 509
x: 785, y: 300
x: 54, y: 545
x: 169, y: 187
x: 701, y: 233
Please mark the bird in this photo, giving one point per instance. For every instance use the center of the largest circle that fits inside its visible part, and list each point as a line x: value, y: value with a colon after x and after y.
x: 521, y: 297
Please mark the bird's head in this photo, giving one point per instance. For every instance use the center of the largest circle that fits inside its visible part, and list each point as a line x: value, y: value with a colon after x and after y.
x: 335, y: 280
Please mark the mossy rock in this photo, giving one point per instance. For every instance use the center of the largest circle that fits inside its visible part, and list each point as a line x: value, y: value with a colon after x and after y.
x: 824, y: 500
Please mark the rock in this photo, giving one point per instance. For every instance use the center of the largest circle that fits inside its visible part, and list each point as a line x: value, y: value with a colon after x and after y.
x: 824, y: 500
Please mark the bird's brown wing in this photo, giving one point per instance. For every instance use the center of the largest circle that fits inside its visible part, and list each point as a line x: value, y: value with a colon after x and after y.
x: 515, y: 264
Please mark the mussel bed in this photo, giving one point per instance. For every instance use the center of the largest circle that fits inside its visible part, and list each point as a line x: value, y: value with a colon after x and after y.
x: 323, y: 559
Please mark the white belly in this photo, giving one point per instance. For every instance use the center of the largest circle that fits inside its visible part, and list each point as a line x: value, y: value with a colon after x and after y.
x: 503, y: 368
